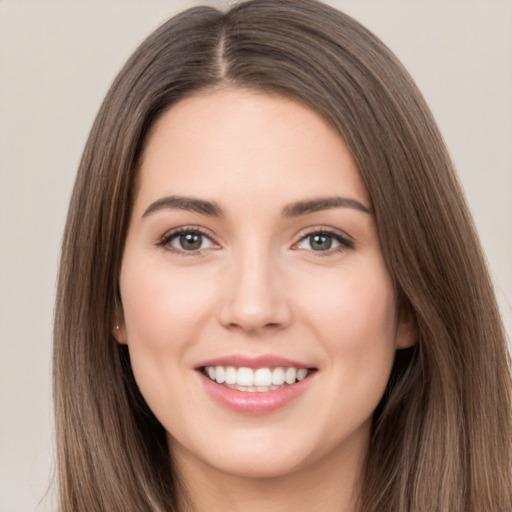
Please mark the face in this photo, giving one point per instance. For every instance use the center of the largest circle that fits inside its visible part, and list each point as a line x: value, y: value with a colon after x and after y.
x: 259, y: 315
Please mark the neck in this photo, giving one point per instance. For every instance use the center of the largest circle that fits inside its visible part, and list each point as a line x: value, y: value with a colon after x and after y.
x: 330, y: 484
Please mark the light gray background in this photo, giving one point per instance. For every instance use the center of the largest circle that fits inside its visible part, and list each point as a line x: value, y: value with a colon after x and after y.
x: 56, y: 62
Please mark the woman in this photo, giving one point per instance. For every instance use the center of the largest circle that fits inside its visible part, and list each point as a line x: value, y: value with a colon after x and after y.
x: 271, y: 292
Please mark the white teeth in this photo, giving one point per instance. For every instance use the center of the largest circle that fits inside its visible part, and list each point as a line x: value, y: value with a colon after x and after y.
x: 301, y: 374
x: 245, y: 377
x: 220, y: 374
x: 290, y: 375
x: 230, y: 375
x: 263, y: 377
x: 253, y: 389
x: 260, y: 379
x: 278, y: 377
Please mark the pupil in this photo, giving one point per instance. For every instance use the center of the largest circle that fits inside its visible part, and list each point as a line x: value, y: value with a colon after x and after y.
x: 191, y: 241
x: 320, y: 242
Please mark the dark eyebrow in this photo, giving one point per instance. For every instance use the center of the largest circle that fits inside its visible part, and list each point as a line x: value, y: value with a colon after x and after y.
x: 185, y: 203
x: 323, y: 203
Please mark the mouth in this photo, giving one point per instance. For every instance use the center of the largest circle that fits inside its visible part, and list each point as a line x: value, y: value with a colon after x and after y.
x: 256, y: 380
x: 256, y: 385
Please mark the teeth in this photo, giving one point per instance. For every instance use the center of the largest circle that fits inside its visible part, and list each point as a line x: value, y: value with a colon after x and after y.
x: 290, y: 375
x: 278, y: 377
x: 301, y: 374
x: 245, y: 377
x: 254, y: 389
x: 263, y: 377
x: 220, y: 374
x: 230, y: 375
x: 258, y: 380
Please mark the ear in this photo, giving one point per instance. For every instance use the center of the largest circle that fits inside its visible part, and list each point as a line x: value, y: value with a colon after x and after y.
x: 119, y: 330
x: 406, y: 329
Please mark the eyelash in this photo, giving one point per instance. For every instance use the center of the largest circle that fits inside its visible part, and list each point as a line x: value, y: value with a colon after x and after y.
x: 344, y: 241
x: 170, y: 235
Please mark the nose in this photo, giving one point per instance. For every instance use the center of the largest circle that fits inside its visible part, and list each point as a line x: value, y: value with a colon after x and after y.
x: 255, y: 299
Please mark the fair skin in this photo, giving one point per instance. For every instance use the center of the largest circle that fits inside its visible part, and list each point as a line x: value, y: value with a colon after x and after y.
x: 262, y: 267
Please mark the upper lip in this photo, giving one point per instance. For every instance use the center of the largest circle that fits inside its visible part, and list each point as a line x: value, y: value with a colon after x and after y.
x: 262, y: 361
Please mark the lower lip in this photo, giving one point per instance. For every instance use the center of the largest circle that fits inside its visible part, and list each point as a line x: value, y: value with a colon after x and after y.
x: 257, y: 402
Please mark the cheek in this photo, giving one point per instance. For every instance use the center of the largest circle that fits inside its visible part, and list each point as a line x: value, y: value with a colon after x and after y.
x: 366, y: 314
x: 162, y: 304
x: 357, y: 327
x: 165, y: 311
x: 355, y: 320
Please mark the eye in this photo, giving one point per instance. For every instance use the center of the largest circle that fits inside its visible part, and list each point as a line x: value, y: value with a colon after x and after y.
x: 323, y: 241
x: 186, y: 240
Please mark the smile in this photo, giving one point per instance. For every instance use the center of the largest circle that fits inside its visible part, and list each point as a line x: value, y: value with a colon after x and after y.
x: 255, y: 386
x: 255, y: 380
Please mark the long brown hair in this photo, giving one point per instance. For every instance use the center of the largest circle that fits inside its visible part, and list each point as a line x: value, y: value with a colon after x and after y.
x: 441, y: 435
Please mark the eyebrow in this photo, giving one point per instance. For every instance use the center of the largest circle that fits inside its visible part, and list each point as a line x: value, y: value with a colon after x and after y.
x: 323, y: 203
x: 212, y: 209
x: 190, y: 204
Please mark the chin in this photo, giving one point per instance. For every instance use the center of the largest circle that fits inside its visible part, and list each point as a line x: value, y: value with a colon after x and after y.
x: 267, y: 466
x: 274, y: 464
x: 248, y: 455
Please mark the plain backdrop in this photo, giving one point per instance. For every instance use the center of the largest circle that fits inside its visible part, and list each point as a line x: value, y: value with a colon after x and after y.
x: 57, y: 59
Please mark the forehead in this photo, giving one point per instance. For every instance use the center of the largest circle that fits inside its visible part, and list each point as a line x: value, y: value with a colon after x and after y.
x: 240, y: 144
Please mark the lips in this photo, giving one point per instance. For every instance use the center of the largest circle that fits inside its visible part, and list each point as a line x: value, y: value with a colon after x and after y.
x: 255, y: 385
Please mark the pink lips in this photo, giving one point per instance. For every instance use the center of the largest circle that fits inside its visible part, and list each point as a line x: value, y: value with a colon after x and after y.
x: 256, y: 403
x: 265, y: 361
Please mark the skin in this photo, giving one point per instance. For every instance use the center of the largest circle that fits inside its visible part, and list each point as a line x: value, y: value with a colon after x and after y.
x: 258, y: 286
